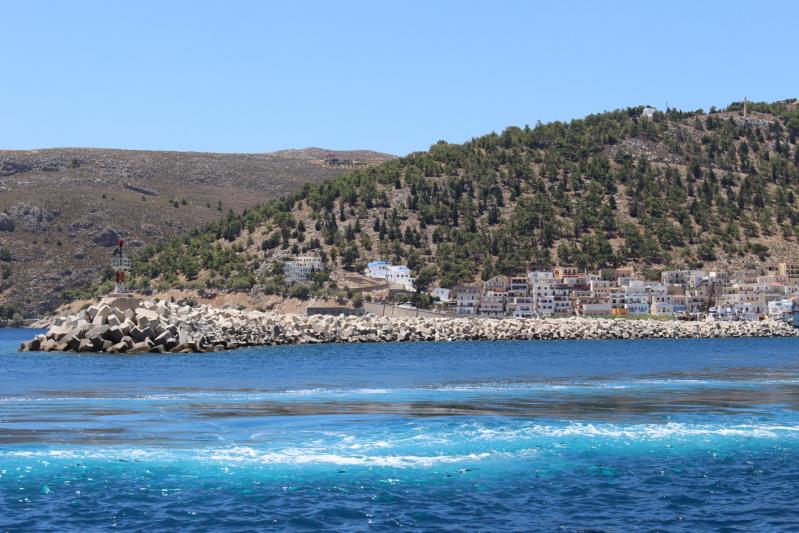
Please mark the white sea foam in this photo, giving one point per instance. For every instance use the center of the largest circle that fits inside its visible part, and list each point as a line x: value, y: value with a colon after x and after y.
x: 429, y: 446
x: 672, y: 430
x: 302, y: 456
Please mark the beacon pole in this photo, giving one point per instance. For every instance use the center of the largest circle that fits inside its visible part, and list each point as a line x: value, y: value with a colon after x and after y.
x: 121, y: 263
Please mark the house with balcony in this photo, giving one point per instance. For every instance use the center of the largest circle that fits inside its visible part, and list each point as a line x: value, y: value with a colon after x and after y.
x: 301, y: 268
x: 467, y: 299
x: 492, y: 303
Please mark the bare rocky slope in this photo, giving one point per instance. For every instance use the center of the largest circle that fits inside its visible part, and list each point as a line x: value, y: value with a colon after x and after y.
x: 61, y: 209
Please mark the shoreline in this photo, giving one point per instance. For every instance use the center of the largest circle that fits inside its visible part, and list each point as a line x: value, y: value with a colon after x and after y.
x: 150, y: 327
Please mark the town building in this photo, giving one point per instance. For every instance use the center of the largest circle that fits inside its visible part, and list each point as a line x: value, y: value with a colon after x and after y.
x: 395, y: 274
x: 492, y: 303
x: 301, y: 268
x: 689, y: 294
x: 467, y: 299
x: 442, y: 294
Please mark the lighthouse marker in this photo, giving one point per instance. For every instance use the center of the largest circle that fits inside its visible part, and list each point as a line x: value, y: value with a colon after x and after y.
x: 121, y: 263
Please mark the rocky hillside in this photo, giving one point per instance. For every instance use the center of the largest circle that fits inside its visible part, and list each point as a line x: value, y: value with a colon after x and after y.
x: 60, y: 209
x: 715, y: 189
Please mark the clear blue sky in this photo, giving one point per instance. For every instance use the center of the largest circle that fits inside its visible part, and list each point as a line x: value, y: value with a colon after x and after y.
x: 240, y: 76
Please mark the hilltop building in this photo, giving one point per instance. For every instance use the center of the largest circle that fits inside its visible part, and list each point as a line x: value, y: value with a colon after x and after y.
x: 302, y: 268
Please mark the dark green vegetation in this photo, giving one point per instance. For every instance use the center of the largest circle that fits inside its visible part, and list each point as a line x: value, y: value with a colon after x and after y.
x: 679, y: 189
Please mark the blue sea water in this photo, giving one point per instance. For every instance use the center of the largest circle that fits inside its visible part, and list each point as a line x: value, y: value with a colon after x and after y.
x: 671, y: 435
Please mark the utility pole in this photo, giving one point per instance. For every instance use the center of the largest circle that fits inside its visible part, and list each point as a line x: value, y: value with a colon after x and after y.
x: 744, y: 106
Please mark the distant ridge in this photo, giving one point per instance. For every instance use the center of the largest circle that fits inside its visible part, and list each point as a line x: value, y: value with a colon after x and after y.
x: 57, y: 205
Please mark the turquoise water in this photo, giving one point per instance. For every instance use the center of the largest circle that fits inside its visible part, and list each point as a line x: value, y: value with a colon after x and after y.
x: 674, y: 435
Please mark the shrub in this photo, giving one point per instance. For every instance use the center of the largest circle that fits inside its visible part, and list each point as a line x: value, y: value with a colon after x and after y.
x: 300, y: 291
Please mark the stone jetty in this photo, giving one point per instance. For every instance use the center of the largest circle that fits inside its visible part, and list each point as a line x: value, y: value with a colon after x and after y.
x: 166, y: 327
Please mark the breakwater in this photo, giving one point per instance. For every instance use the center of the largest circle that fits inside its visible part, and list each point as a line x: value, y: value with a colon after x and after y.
x: 167, y: 327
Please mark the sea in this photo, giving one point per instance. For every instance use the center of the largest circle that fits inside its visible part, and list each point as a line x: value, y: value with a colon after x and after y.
x: 627, y: 435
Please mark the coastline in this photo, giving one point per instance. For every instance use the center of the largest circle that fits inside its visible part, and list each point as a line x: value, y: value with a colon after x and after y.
x: 162, y: 327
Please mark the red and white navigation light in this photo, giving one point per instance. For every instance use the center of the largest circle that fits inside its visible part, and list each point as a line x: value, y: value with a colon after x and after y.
x: 121, y: 264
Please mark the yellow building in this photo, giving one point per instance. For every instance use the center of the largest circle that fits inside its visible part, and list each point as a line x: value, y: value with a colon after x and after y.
x: 790, y: 270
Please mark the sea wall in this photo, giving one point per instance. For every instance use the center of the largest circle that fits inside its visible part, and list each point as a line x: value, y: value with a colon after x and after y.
x: 163, y: 327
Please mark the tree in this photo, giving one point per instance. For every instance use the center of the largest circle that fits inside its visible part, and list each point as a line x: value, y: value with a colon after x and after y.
x: 272, y: 241
x: 357, y: 299
x: 707, y: 252
x: 425, y: 278
x: 300, y: 291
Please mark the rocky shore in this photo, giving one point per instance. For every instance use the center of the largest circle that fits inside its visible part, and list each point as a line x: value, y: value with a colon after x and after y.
x: 164, y: 327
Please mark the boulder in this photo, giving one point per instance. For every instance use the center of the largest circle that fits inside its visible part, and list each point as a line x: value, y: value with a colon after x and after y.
x: 73, y: 342
x: 115, y: 334
x: 97, y: 332
x: 31, y: 217
x: 145, y: 317
x: 127, y: 326
x: 119, y: 347
x: 101, y: 315
x: 92, y: 311
x: 58, y: 332
x: 6, y: 223
x: 137, y: 334
x: 163, y: 338
x: 107, y: 237
x: 86, y: 346
x: 49, y: 345
x: 36, y: 344
x: 140, y: 347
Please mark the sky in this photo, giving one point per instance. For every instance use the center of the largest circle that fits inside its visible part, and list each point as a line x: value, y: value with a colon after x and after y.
x: 241, y: 76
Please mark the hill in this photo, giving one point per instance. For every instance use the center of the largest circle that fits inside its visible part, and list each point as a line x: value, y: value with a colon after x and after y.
x: 673, y: 189
x: 60, y: 209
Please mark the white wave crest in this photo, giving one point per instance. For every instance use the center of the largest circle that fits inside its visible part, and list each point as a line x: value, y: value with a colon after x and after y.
x: 301, y: 456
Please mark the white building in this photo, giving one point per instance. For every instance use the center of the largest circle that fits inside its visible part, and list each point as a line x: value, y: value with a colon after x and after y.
x: 778, y: 309
x: 442, y: 294
x: 667, y: 309
x: 540, y: 275
x: 398, y: 274
x: 561, y: 296
x: 467, y: 298
x: 542, y: 290
x: 637, y: 308
x: 301, y: 268
x: 492, y: 303
x: 518, y: 286
x: 521, y: 307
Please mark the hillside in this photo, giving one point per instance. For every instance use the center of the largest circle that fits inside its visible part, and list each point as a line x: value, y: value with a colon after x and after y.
x: 60, y: 209
x: 715, y: 189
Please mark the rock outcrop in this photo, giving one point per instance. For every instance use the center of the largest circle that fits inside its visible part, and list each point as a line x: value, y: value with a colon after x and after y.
x: 6, y: 222
x: 107, y: 237
x: 31, y: 217
x: 163, y: 327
